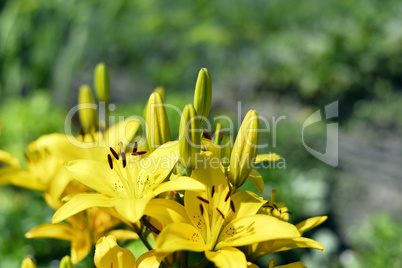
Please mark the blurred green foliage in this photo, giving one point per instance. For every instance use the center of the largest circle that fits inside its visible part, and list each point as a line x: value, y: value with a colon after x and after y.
x: 319, y: 51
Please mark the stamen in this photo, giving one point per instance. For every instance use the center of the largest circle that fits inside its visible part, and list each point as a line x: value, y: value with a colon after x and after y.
x: 220, y: 212
x: 135, y: 147
x: 82, y: 134
x: 206, y: 134
x: 203, y: 199
x: 135, y: 152
x: 275, y: 206
x: 213, y: 191
x: 109, y: 159
x: 273, y: 194
x: 228, y: 194
x: 114, y: 153
x: 202, y: 209
x: 228, y: 182
x: 232, y: 206
x: 123, y: 158
x: 288, y: 212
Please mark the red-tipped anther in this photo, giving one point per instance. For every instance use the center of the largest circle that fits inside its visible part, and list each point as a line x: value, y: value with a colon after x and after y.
x: 213, y: 191
x: 203, y: 199
x: 114, y: 153
x: 109, y: 159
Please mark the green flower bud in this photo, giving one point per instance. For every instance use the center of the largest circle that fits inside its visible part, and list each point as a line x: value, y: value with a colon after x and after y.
x: 66, y: 262
x: 102, y: 88
x: 203, y: 94
x: 157, y: 129
x: 28, y: 263
x: 190, y: 137
x: 87, y: 109
x: 227, y: 146
x: 245, y: 149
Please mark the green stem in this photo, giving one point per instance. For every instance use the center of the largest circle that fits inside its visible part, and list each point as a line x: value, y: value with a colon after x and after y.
x: 200, y: 264
x: 140, y: 235
x: 184, y: 260
x: 149, y: 225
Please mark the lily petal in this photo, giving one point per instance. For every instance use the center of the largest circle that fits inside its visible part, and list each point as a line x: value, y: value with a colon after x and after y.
x: 97, y: 176
x: 81, y: 242
x: 160, y: 162
x: 151, y: 259
x: 180, y: 183
x: 256, y: 178
x: 131, y: 209
x: 49, y: 230
x: 180, y: 236
x: 227, y: 257
x: 109, y: 254
x: 121, y: 234
x: 266, y: 157
x: 246, y: 203
x: 79, y: 203
x: 9, y: 159
x: 166, y: 211
x: 253, y: 229
x: 310, y: 223
x: 123, y: 131
x: 272, y: 246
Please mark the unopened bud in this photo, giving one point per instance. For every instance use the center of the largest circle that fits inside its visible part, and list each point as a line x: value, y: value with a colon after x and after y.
x: 102, y: 87
x: 157, y: 129
x: 190, y: 137
x: 227, y: 146
x: 161, y: 91
x: 245, y: 149
x: 87, y: 108
x: 28, y: 263
x: 66, y: 262
x: 203, y: 94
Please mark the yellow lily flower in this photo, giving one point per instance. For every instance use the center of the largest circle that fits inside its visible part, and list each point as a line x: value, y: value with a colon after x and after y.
x: 125, y: 184
x: 215, y: 222
x: 46, y: 156
x: 280, y: 211
x: 82, y: 229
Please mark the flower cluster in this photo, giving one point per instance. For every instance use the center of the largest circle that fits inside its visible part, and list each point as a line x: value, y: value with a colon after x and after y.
x: 130, y: 181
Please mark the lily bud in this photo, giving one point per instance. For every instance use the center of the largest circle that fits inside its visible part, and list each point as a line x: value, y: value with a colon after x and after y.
x: 157, y: 129
x: 227, y: 146
x: 87, y: 108
x: 28, y: 263
x: 245, y: 149
x: 203, y: 94
x: 190, y: 137
x: 101, y: 82
x: 66, y: 262
x: 161, y: 91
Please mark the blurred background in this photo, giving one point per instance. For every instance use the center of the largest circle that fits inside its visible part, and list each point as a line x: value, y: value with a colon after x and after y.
x: 283, y: 58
